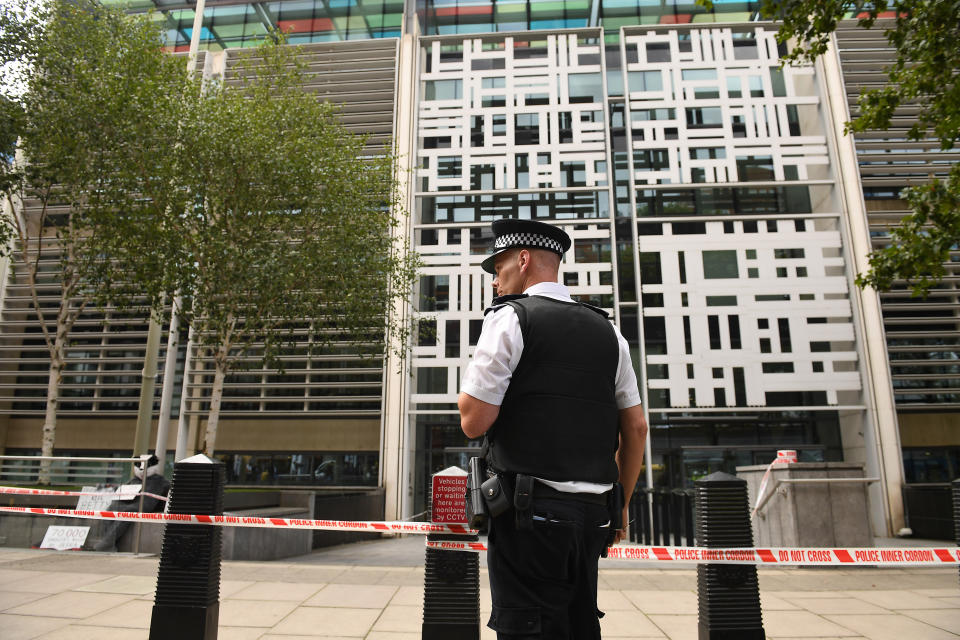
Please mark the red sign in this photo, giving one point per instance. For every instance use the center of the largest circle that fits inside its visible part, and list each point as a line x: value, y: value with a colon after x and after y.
x: 450, y: 496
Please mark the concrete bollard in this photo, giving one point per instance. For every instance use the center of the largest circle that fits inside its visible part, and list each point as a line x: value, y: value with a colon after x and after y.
x: 187, y: 603
x: 451, y: 580
x: 956, y: 510
x: 728, y: 595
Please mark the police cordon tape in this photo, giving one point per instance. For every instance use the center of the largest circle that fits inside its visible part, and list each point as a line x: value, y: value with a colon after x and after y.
x: 784, y: 556
x: 888, y: 557
x: 20, y: 491
x: 246, y: 521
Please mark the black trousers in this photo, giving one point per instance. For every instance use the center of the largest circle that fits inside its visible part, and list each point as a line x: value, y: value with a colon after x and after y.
x: 543, y: 582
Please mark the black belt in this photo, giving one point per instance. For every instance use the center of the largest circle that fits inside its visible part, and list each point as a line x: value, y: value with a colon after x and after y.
x: 541, y: 490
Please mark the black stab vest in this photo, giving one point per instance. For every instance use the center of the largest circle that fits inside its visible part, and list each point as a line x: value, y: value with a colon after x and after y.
x: 559, y: 418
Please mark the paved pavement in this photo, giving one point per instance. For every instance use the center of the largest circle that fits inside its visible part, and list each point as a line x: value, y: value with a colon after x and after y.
x: 374, y: 590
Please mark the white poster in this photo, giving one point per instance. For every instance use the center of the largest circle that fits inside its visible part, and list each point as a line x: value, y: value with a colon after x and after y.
x: 99, y: 502
x: 128, y: 492
x: 62, y: 538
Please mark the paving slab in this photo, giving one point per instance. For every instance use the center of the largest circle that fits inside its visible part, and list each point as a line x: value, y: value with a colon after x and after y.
x: 837, y: 605
x: 676, y: 627
x: 240, y: 633
x: 412, y: 596
x: 82, y: 632
x: 133, y: 585
x: 12, y: 576
x: 331, y: 599
x: 938, y: 593
x: 135, y: 614
x: 891, y: 627
x: 71, y: 604
x: 15, y: 555
x: 294, y: 592
x: 770, y: 602
x: 10, y: 599
x: 230, y: 587
x: 254, y: 613
x: 28, y: 627
x: 366, y: 596
x: 669, y: 602
x: 803, y: 624
x: 897, y: 600
x: 272, y: 636
x: 628, y: 624
x: 611, y: 600
x: 328, y: 621
x: 948, y: 620
x: 400, y: 619
x: 57, y: 581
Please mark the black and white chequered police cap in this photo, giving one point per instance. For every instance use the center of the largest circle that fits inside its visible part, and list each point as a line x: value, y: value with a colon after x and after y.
x: 510, y: 233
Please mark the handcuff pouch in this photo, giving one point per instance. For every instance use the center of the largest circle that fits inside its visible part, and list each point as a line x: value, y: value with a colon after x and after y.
x: 523, y: 502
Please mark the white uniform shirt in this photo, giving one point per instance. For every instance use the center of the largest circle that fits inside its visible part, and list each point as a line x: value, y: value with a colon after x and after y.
x: 499, y: 349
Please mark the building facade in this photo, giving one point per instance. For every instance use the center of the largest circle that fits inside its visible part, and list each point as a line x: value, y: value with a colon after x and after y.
x: 717, y: 211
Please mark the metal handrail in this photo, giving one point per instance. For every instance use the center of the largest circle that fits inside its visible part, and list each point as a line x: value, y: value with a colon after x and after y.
x: 780, y: 481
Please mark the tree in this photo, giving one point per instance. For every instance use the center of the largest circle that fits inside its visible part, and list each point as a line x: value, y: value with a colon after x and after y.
x: 287, y: 232
x: 96, y: 125
x: 249, y: 199
x: 925, y: 35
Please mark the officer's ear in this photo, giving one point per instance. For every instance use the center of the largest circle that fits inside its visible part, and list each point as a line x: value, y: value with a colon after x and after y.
x: 523, y: 259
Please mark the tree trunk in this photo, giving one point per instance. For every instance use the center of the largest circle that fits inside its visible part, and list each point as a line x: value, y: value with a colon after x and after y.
x: 216, y: 398
x: 50, y: 418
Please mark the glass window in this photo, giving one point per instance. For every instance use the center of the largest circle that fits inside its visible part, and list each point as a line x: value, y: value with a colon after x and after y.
x: 721, y: 301
x: 699, y: 74
x: 733, y: 87
x: 785, y: 254
x: 650, y: 272
x: 642, y: 115
x: 573, y: 174
x: 720, y: 264
x: 777, y: 367
x: 655, y: 335
x: 777, y: 82
x: 585, y: 87
x: 651, y: 159
x: 713, y: 323
x: 755, y: 168
x: 434, y: 293
x: 708, y: 153
x: 449, y: 167
x: 658, y: 52
x: 704, y: 117
x: 443, y: 90
x: 645, y: 80
x: 431, y: 379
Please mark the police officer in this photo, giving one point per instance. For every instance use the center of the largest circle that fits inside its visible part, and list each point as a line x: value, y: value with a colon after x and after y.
x: 552, y: 387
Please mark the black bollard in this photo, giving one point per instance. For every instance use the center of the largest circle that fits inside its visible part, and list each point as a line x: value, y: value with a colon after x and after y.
x: 728, y: 595
x: 956, y: 510
x: 451, y: 592
x: 187, y: 604
x: 451, y: 579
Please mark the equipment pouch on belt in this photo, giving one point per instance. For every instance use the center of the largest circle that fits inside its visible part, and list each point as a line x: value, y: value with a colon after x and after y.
x: 523, y: 502
x: 477, y: 514
x: 496, y: 495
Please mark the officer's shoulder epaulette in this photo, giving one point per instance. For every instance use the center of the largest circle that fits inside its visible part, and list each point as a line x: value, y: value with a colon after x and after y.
x: 500, y: 301
x: 596, y: 309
